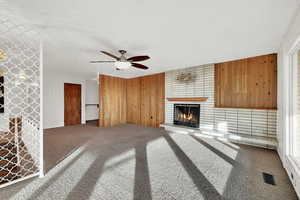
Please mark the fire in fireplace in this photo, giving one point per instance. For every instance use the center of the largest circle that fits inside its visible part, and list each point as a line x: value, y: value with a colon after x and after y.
x: 187, y: 114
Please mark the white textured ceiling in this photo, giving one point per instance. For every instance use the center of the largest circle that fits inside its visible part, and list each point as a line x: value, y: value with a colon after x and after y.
x: 174, y: 33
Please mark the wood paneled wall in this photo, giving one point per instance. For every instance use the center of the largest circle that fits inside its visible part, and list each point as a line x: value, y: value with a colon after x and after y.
x: 112, y: 99
x: 134, y: 100
x: 247, y: 83
x: 138, y: 100
x: 146, y: 100
x: 152, y: 100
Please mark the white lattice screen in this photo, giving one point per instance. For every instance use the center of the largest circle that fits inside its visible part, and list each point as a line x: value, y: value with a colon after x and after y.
x: 237, y: 121
x: 20, y: 122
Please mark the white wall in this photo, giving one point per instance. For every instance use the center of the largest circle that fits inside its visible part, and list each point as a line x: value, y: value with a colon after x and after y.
x: 290, y: 39
x: 91, y: 98
x: 53, y: 95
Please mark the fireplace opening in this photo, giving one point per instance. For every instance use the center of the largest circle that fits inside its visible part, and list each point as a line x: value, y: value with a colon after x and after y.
x: 187, y: 114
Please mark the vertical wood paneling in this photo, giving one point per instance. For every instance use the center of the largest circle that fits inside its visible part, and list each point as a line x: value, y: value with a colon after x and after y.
x: 139, y: 100
x: 247, y: 83
x: 112, y: 101
x: 145, y: 101
x: 160, y: 119
x: 102, y: 93
x: 134, y: 100
x: 152, y: 100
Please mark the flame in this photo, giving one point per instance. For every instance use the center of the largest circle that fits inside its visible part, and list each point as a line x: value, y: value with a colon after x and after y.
x: 186, y: 116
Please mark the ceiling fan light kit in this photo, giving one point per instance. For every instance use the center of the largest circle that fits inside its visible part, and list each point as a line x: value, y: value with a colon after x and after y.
x: 125, y: 63
x: 122, y: 64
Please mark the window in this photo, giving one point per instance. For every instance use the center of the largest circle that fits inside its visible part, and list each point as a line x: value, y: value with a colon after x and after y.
x: 295, y: 106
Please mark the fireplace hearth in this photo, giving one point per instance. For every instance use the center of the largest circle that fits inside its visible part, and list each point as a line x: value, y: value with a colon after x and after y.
x: 187, y: 115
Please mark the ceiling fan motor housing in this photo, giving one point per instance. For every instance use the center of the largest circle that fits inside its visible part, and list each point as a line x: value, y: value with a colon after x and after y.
x: 122, y: 51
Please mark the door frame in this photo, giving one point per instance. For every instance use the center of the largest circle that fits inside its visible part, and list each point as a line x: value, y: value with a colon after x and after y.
x: 80, y: 102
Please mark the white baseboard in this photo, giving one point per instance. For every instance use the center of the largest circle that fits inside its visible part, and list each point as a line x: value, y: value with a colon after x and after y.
x: 53, y: 124
x: 293, y: 171
x: 265, y: 142
x: 59, y: 126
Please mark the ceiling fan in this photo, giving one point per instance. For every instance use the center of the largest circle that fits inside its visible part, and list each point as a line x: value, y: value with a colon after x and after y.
x: 124, y: 63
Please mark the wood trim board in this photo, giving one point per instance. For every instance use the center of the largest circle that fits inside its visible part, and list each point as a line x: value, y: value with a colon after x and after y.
x: 194, y: 99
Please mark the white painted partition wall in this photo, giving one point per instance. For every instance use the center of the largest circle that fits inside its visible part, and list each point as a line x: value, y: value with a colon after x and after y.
x: 21, y: 128
x: 53, y: 94
x: 91, y: 100
x: 242, y: 122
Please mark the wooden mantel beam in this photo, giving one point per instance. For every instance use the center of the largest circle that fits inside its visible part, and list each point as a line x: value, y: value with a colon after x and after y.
x: 194, y: 99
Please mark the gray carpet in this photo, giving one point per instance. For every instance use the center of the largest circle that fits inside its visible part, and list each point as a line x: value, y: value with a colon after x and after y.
x: 134, y: 162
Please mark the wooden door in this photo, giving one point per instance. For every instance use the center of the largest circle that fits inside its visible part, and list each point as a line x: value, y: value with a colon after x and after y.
x: 72, y: 104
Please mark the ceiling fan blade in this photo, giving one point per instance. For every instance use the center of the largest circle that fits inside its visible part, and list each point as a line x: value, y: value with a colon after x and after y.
x: 111, y: 55
x: 102, y: 61
x: 138, y: 58
x: 140, y: 66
